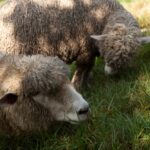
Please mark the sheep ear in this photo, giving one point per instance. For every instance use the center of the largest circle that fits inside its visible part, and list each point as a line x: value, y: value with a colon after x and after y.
x: 8, y: 99
x: 144, y: 40
x: 98, y: 37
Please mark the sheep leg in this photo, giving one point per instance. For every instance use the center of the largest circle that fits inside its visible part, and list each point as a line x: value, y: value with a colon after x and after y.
x: 82, y: 75
x: 78, y: 79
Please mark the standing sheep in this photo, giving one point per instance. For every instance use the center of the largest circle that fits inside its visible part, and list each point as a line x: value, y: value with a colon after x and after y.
x: 65, y: 27
x: 34, y: 92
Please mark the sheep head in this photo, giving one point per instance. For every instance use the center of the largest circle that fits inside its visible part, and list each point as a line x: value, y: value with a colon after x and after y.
x: 118, y: 47
x: 50, y: 87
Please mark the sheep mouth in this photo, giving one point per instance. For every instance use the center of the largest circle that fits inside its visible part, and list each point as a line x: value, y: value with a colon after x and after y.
x: 74, y: 122
x: 80, y: 118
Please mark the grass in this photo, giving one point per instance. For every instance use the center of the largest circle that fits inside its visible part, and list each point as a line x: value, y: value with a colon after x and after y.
x: 120, y: 117
x: 1, y: 1
x: 140, y: 9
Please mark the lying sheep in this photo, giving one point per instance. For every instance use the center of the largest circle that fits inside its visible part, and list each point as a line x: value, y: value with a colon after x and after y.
x: 34, y: 92
x: 64, y: 27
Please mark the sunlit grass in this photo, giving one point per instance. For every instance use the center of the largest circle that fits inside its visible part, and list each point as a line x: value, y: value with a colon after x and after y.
x: 2, y: 2
x: 140, y: 9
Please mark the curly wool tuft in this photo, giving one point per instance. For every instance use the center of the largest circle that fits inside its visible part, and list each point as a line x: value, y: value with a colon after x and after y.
x: 118, y: 47
x: 43, y: 73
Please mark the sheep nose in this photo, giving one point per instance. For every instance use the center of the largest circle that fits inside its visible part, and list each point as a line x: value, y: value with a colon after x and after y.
x: 84, y: 110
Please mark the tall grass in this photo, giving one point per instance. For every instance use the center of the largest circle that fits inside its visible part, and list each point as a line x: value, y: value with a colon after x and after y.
x: 140, y: 9
x: 120, y: 118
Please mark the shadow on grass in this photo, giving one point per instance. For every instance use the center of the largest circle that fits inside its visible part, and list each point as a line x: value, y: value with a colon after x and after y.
x: 37, y: 141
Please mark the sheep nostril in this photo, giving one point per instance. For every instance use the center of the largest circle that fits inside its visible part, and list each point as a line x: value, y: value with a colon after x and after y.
x: 83, y: 111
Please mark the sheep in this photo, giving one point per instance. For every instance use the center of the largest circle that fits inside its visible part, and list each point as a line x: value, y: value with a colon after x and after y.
x: 66, y: 28
x: 117, y: 47
x: 36, y: 92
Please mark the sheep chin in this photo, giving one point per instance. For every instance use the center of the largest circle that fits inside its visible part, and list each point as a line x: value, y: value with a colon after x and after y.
x: 109, y: 70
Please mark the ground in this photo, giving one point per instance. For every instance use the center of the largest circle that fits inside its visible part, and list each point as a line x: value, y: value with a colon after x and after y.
x: 120, y: 105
